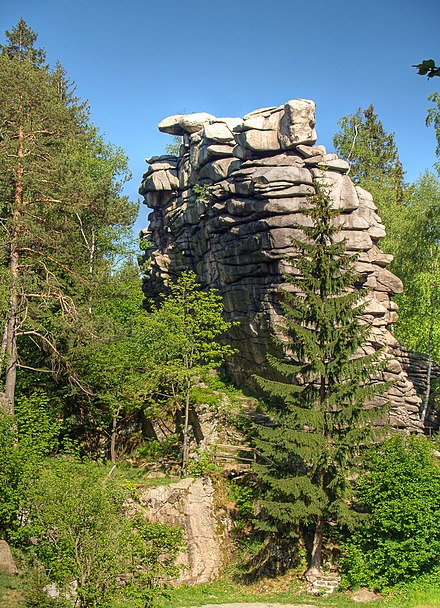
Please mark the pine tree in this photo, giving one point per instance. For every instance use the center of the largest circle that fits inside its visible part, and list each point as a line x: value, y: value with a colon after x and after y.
x: 320, y: 422
x: 60, y: 199
x: 20, y: 46
x: 371, y: 152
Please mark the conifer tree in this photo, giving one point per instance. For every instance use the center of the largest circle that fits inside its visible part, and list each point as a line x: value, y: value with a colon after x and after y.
x: 375, y: 166
x: 370, y: 150
x: 320, y: 422
x: 20, y: 45
x: 60, y: 198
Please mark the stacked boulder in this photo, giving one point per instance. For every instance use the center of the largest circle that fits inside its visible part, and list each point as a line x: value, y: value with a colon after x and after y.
x: 227, y: 208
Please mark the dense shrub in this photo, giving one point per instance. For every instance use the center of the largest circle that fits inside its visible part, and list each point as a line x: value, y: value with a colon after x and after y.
x: 79, y: 533
x: 400, y: 495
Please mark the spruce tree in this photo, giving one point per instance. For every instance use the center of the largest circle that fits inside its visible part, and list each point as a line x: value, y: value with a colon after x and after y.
x: 370, y: 150
x: 320, y: 422
x: 375, y: 166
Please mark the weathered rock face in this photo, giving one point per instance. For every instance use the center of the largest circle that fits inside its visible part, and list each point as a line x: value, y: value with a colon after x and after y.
x: 190, y: 504
x: 227, y: 208
x: 7, y: 564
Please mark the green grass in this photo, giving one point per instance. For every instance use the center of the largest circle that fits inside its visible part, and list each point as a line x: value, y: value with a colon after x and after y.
x: 11, y: 588
x: 226, y: 591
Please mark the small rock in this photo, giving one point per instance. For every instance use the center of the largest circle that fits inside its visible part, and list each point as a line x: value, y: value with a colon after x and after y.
x: 365, y: 595
x: 7, y: 564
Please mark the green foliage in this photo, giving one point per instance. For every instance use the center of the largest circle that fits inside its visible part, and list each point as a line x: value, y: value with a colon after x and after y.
x: 154, y: 450
x: 320, y: 423
x: 80, y: 532
x: 37, y: 424
x: 201, y: 464
x: 186, y: 332
x: 371, y: 152
x: 433, y: 119
x: 427, y: 68
x: 400, y: 539
x: 417, y: 262
x: 174, y: 148
x: 411, y: 218
x: 243, y: 496
x: 193, y: 321
x: 25, y: 440
x: 201, y: 191
x: 64, y: 218
x: 374, y: 165
x: 20, y: 45
x: 115, y: 365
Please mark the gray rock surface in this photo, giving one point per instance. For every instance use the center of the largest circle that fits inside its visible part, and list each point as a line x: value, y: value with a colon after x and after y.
x: 190, y: 503
x: 237, y: 235
x: 7, y: 564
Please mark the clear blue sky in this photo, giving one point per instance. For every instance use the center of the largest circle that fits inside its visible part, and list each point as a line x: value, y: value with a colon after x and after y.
x: 137, y: 61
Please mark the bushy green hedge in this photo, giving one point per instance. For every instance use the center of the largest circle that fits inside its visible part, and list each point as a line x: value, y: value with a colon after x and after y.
x: 400, y: 495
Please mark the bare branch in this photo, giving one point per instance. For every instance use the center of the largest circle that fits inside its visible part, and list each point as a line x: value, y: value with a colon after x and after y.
x: 34, y: 369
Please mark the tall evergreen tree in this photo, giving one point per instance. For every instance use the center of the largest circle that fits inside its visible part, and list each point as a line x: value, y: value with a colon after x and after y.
x: 371, y: 152
x: 320, y: 422
x: 20, y: 45
x: 60, y: 197
x: 374, y: 165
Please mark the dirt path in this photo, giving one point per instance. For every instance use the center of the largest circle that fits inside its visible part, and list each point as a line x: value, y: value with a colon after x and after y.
x: 258, y: 605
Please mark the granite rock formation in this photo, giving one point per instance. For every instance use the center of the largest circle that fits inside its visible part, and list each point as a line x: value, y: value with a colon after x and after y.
x: 190, y: 504
x: 227, y: 207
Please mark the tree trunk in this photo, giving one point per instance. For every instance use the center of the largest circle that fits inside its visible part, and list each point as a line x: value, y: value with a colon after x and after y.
x: 185, y: 455
x: 113, y: 439
x: 314, y: 569
x: 425, y: 403
x: 11, y: 358
x: 3, y: 347
x: 14, y: 267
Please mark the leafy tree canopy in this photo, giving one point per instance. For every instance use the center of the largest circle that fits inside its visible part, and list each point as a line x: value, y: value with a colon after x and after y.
x: 427, y: 68
x: 400, y: 494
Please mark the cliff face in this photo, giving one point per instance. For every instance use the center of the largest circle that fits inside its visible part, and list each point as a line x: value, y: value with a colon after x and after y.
x: 227, y: 208
x: 190, y: 504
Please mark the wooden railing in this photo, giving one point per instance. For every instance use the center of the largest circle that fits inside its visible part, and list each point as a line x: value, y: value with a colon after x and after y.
x: 236, y: 456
